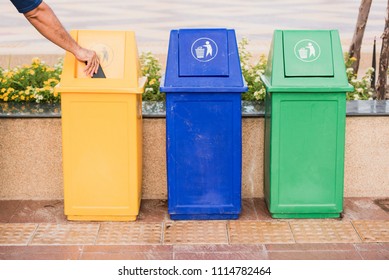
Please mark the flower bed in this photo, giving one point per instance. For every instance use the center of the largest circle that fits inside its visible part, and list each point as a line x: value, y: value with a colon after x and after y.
x: 36, y: 82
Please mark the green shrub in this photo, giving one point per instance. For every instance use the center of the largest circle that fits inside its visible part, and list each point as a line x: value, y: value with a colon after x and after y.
x: 251, y: 73
x: 36, y: 82
x: 362, y: 86
x: 33, y: 82
x: 151, y: 68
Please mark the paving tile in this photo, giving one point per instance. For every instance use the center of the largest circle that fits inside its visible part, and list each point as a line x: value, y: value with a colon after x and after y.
x: 374, y: 255
x: 373, y: 251
x: 253, y: 236
x: 220, y: 251
x: 40, y: 252
x: 261, y: 209
x: 130, y: 252
x: 16, y: 234
x: 262, y: 255
x: 323, y: 231
x: 311, y: 247
x: 5, y: 61
x: 363, y: 208
x: 153, y: 21
x: 7, y: 209
x: 153, y: 210
x: 18, y: 60
x: 248, y: 210
x: 65, y: 234
x: 128, y: 248
x: 251, y: 232
x: 314, y: 255
x: 372, y: 246
x: 195, y: 232
x: 39, y: 211
x: 129, y: 233
x: 127, y: 256
x: 218, y: 248
x: 372, y: 230
x: 383, y: 203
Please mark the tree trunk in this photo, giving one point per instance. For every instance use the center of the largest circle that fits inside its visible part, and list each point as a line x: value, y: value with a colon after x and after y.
x: 384, y: 57
x: 355, y: 48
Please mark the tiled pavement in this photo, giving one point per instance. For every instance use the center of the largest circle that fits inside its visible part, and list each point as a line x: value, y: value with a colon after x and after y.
x: 152, y: 20
x: 39, y: 230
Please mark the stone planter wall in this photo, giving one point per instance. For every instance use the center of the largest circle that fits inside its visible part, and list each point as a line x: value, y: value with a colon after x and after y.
x: 31, y: 157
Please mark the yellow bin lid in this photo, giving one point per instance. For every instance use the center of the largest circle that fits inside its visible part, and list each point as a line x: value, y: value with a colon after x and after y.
x: 119, y: 61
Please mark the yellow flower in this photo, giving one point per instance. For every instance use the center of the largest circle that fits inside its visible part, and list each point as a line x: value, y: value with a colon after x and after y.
x: 55, y: 94
x: 31, y: 72
x: 9, y: 90
x: 36, y: 60
x: 3, y: 90
x: 6, y: 98
x: 152, y: 82
x: 353, y: 58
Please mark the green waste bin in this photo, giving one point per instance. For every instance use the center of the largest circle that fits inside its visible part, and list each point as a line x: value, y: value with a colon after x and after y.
x: 306, y: 85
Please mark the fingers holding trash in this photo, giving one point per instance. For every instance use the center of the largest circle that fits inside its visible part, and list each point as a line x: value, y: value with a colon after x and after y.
x: 90, y: 58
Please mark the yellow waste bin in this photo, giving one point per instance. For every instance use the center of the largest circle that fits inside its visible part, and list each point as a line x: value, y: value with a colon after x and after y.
x: 102, y: 130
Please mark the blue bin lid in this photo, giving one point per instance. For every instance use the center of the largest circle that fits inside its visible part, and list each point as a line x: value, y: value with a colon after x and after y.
x: 203, y: 60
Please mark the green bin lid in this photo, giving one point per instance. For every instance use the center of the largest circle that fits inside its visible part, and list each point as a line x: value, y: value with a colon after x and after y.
x: 306, y: 61
x: 308, y: 54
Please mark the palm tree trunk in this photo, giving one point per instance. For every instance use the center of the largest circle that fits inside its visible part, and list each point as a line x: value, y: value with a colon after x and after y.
x: 384, y: 57
x: 355, y: 48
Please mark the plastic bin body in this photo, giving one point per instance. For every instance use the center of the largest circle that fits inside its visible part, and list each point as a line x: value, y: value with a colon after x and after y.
x: 305, y: 125
x: 203, y: 127
x: 102, y: 131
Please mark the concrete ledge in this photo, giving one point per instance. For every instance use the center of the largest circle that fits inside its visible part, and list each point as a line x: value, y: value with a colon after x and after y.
x: 31, y: 158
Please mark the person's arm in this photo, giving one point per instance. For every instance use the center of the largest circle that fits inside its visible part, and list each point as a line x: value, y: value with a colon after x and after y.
x: 47, y: 23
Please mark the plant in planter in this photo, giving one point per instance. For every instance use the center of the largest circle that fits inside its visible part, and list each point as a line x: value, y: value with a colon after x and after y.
x: 362, y: 86
x: 34, y: 82
x: 151, y: 68
x: 251, y: 73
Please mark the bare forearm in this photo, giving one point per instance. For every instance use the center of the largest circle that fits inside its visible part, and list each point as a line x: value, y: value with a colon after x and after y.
x: 47, y: 23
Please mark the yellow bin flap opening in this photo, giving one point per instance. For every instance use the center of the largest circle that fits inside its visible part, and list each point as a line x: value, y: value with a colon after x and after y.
x: 118, y: 55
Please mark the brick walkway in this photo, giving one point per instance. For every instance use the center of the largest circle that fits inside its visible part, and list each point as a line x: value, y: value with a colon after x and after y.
x: 39, y: 230
x: 152, y: 20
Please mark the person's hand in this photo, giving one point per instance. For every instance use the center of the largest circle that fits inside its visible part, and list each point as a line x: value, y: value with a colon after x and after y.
x: 90, y: 58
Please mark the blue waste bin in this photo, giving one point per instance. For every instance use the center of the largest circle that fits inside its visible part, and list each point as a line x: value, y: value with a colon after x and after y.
x: 203, y: 84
